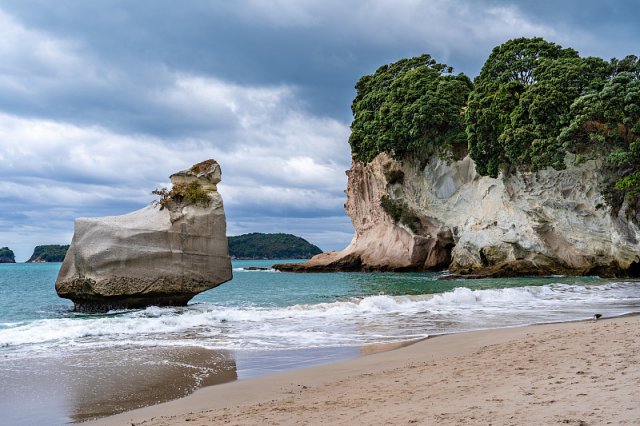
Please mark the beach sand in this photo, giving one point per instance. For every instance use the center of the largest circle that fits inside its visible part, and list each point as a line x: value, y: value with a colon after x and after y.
x: 582, y: 373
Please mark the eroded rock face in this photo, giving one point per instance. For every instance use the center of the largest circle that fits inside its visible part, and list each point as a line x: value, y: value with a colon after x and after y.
x: 153, y: 256
x: 549, y: 222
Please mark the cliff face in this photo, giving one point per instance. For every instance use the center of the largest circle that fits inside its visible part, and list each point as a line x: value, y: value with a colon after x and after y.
x: 442, y: 214
x: 159, y: 255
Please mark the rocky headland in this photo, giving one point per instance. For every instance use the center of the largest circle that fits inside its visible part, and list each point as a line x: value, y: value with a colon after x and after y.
x: 7, y: 255
x: 163, y: 254
x: 444, y: 215
x: 532, y: 168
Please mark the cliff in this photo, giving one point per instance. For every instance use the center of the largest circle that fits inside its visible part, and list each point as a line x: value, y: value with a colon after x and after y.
x: 439, y: 215
x: 48, y: 253
x: 542, y: 169
x: 6, y: 255
x: 163, y: 254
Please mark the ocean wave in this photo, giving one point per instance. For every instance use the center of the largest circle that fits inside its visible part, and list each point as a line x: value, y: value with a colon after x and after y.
x: 254, y: 269
x: 352, y: 321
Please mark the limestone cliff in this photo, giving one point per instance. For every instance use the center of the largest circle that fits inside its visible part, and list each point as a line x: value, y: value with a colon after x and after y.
x: 438, y: 215
x: 163, y: 254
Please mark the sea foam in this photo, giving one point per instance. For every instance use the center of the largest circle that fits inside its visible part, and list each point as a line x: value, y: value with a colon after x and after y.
x: 344, y: 322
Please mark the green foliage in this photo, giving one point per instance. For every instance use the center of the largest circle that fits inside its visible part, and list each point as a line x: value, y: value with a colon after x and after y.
x: 606, y: 122
x: 49, y: 253
x: 6, y: 255
x: 629, y: 184
x: 399, y: 212
x: 271, y: 246
x: 391, y: 207
x: 394, y: 176
x: 520, y: 102
x: 533, y: 102
x: 413, y: 106
x: 190, y: 193
x: 531, y: 137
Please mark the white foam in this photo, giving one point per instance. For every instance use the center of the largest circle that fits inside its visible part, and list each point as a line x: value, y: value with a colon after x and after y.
x: 380, y: 318
x: 255, y: 270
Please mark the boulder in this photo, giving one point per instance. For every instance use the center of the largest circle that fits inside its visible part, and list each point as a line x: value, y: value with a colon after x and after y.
x: 163, y: 254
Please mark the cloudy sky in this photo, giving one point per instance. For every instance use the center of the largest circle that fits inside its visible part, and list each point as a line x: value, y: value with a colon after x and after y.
x: 100, y: 101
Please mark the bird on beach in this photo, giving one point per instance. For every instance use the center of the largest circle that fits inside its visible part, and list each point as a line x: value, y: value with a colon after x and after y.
x: 596, y: 317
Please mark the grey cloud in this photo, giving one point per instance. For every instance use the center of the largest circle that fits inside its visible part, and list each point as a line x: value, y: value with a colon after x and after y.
x: 102, y: 100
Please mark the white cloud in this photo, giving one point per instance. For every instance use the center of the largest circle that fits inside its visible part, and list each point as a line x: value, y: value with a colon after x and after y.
x: 442, y: 25
x: 88, y: 131
x: 274, y: 159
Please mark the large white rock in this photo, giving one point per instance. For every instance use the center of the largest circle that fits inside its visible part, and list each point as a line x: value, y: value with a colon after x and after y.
x: 539, y: 223
x: 153, y: 256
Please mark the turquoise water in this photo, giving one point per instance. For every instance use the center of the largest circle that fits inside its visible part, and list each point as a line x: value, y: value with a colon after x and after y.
x: 258, y: 323
x: 268, y: 310
x: 27, y: 293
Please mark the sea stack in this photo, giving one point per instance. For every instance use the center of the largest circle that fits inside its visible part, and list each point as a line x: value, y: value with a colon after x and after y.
x: 163, y: 254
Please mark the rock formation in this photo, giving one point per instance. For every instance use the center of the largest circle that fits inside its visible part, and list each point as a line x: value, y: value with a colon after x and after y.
x: 48, y: 253
x: 438, y: 215
x: 163, y: 254
x: 6, y: 255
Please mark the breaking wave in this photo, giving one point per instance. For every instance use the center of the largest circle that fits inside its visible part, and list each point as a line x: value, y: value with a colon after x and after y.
x: 344, y: 322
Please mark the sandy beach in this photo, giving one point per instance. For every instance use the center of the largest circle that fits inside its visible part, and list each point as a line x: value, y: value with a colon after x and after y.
x: 581, y: 373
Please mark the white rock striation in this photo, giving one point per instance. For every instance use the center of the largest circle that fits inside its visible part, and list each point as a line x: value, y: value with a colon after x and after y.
x: 153, y: 256
x: 548, y: 222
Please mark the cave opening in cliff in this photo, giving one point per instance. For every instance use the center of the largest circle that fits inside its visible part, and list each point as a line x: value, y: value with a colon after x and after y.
x: 634, y: 269
x: 440, y: 256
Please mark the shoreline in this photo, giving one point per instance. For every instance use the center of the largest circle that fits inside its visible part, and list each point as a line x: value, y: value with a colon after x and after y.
x: 569, y: 372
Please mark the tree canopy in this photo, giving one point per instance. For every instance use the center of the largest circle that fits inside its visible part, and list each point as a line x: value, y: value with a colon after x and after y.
x: 606, y: 123
x: 532, y: 103
x: 408, y: 107
x: 510, y: 117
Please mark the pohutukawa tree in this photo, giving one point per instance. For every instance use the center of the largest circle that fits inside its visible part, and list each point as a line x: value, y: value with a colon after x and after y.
x: 533, y: 102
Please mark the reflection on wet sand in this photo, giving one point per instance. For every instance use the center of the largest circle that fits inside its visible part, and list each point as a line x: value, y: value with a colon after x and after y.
x: 158, y: 375
x: 107, y: 381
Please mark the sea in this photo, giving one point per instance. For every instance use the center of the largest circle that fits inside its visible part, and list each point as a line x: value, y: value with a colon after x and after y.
x: 58, y: 366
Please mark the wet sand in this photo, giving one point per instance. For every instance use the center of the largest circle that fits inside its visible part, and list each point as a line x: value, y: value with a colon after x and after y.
x: 571, y: 373
x: 88, y: 384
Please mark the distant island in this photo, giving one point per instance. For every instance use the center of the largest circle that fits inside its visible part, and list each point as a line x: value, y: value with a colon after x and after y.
x: 247, y: 246
x: 48, y: 253
x: 6, y: 255
x: 271, y: 246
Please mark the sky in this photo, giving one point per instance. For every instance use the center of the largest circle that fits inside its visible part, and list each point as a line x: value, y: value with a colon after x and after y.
x: 101, y: 101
